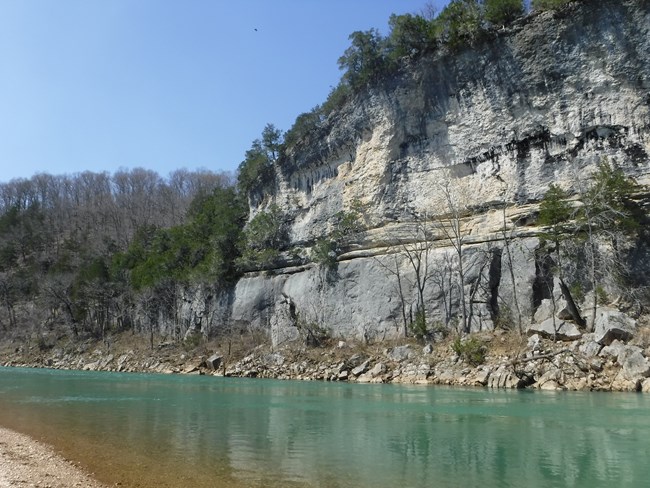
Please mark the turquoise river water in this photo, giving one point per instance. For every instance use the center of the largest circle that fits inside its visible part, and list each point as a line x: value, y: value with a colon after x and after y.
x: 163, y: 430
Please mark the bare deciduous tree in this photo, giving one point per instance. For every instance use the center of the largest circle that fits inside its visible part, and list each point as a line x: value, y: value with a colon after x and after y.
x: 452, y: 205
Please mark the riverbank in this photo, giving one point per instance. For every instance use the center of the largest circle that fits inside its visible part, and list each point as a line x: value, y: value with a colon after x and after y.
x: 548, y: 356
x: 27, y: 462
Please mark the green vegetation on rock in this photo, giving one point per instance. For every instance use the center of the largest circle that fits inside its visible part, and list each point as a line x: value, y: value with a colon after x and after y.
x: 263, y: 239
x: 501, y: 12
x: 548, y: 4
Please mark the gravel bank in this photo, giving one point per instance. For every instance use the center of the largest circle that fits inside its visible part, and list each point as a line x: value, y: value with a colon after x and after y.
x: 26, y: 462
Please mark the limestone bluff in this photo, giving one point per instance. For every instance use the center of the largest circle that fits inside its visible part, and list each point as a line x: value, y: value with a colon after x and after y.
x: 542, y: 101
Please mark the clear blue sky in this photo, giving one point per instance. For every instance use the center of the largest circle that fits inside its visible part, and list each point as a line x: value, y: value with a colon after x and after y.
x: 105, y: 84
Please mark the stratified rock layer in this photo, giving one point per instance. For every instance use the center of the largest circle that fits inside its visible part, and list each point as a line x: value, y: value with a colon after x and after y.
x: 542, y: 102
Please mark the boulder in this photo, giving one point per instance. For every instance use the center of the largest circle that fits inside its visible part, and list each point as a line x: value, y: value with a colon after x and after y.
x: 576, y: 384
x: 552, y: 379
x: 481, y: 377
x: 565, y: 314
x: 400, y: 353
x: 633, y: 364
x: 612, y: 350
x: 612, y: 324
x: 544, y: 311
x: 596, y: 365
x: 274, y: 359
x: 550, y: 385
x: 561, y: 330
x: 122, y: 362
x: 590, y: 348
x: 193, y: 368
x: 377, y: 370
x: 106, y: 361
x: 356, y: 360
x: 623, y: 383
x: 534, y: 342
x: 214, y: 361
x: 340, y: 367
x: 359, y: 370
x: 91, y: 366
x: 503, y: 378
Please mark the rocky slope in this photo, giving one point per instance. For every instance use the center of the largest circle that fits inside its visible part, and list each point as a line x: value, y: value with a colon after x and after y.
x: 613, y: 358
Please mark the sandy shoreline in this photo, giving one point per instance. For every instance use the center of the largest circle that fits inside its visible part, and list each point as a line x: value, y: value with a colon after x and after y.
x: 27, y: 462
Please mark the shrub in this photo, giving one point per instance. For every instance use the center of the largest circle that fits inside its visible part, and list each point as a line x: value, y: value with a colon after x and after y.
x: 460, y: 22
x: 305, y: 125
x: 346, y: 223
x: 418, y: 326
x: 257, y: 258
x: 313, y: 333
x: 266, y: 230
x: 471, y: 350
x: 337, y: 97
x: 324, y: 252
x: 410, y: 35
x: 577, y: 291
x: 366, y: 60
x: 601, y: 295
x: 263, y: 239
x: 349, y: 222
x: 501, y: 12
x: 192, y: 341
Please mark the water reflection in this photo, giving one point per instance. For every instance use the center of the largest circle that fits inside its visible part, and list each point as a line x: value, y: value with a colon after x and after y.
x: 268, y: 433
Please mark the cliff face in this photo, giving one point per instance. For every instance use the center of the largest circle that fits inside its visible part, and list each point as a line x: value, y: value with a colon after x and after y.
x: 506, y: 117
x: 541, y: 102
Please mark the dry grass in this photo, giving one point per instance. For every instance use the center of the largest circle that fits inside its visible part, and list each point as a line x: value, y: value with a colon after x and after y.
x: 506, y: 343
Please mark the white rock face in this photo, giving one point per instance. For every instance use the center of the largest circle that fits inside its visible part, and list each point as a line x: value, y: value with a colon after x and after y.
x: 543, y: 102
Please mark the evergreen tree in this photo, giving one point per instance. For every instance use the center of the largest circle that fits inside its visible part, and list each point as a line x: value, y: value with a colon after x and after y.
x: 502, y: 12
x: 609, y: 214
x: 460, y: 22
x: 365, y: 61
x: 257, y: 167
x: 410, y: 35
x: 555, y: 213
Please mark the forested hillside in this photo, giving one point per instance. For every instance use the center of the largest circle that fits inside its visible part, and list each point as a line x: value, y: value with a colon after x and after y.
x: 67, y: 243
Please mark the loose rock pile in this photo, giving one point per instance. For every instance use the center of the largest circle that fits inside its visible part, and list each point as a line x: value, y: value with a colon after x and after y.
x: 554, y: 357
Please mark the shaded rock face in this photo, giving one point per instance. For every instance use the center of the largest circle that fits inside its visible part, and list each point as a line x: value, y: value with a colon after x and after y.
x: 186, y: 312
x: 362, y: 300
x: 542, y: 102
